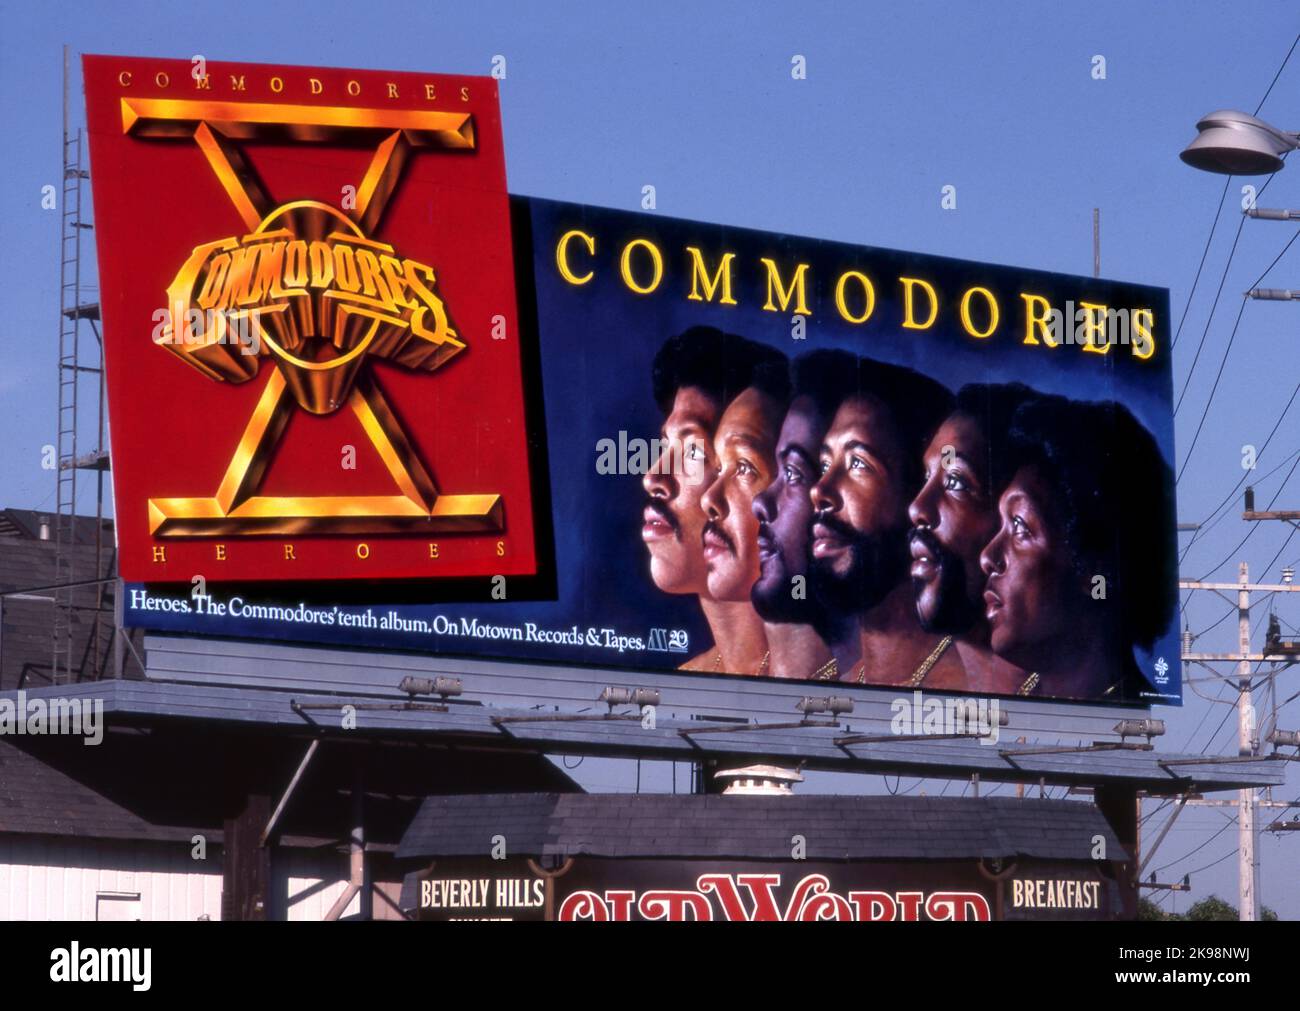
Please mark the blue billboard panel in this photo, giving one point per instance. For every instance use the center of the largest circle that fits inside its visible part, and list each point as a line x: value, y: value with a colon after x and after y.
x: 758, y: 455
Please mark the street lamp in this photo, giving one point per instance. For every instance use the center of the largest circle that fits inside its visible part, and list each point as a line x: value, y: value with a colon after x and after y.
x: 1239, y: 144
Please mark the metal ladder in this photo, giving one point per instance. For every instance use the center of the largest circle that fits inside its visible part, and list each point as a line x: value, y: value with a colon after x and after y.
x: 76, y: 365
x: 69, y: 384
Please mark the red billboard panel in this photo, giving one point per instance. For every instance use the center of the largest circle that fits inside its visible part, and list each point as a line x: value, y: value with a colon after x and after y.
x: 310, y: 324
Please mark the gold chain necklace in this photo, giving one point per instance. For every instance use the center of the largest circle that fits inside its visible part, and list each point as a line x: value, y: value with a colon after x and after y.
x: 827, y: 671
x: 919, y: 674
x: 1030, y: 684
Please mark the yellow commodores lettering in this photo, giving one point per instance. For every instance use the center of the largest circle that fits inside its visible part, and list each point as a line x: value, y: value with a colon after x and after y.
x: 992, y: 310
x: 909, y: 307
x: 433, y: 549
x: 124, y: 78
x: 221, y: 552
x: 162, y: 79
x: 501, y: 549
x: 1038, y: 313
x: 718, y: 277
x: 203, y: 83
x: 1144, y: 341
x: 160, y: 553
x: 288, y: 553
x: 700, y: 278
x: 562, y: 255
x: 1094, y: 336
x: 868, y: 296
x: 776, y: 291
x: 656, y: 261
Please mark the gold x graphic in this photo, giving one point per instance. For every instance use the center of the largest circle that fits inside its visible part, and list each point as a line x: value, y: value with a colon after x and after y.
x: 323, y: 297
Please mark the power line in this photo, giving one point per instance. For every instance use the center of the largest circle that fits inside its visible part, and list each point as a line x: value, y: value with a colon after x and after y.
x: 1285, y: 61
x: 1268, y: 91
x: 1210, y: 319
x: 1203, y: 718
x: 1224, y: 828
x: 1219, y: 211
x: 1231, y: 338
x: 1219, y: 512
x: 1255, y: 526
x: 1269, y: 567
x: 1214, y: 863
x: 1201, y: 266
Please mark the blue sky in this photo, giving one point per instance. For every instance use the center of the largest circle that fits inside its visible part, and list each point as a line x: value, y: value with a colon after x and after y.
x: 900, y: 100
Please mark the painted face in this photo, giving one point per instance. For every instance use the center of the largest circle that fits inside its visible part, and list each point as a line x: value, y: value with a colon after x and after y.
x: 745, y: 450
x: 1031, y: 591
x: 673, y: 521
x: 953, y: 517
x: 784, y: 513
x: 859, y: 533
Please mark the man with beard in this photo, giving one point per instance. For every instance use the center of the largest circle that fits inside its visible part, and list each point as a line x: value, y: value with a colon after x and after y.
x: 954, y: 516
x: 694, y: 376
x: 804, y: 637
x: 871, y: 469
x: 745, y: 449
x: 1084, y: 567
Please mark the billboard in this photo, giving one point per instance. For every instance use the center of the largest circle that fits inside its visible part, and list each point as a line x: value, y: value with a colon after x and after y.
x: 749, y: 455
x: 606, y: 890
x: 306, y: 276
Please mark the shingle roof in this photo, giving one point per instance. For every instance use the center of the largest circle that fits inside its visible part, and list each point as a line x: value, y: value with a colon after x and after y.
x: 38, y: 799
x: 27, y: 563
x: 761, y: 828
x: 26, y: 523
x: 170, y: 783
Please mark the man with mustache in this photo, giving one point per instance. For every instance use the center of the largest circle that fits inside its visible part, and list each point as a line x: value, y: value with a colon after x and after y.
x: 745, y: 449
x: 953, y: 517
x: 871, y: 469
x: 1083, y: 568
x: 695, y: 375
x: 806, y: 639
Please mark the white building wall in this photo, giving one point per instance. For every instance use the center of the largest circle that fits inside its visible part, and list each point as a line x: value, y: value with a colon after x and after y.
x: 85, y: 879
x: 63, y: 879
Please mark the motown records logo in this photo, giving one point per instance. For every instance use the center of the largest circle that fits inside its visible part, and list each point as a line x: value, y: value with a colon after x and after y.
x: 322, y: 300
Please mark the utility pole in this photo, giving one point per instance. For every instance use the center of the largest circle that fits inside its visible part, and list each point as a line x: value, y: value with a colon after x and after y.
x: 1096, y: 242
x: 1247, y: 864
x: 1247, y: 745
